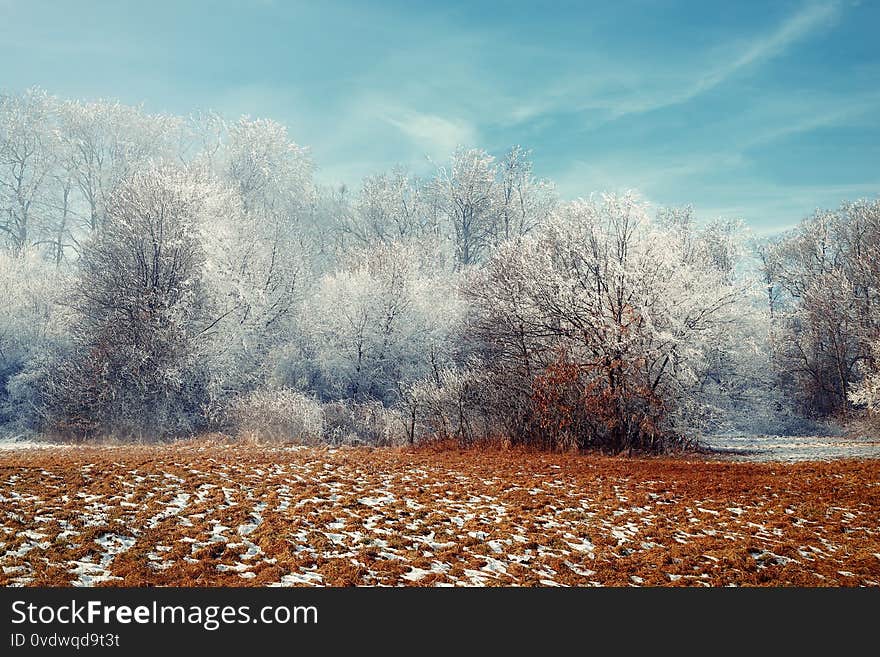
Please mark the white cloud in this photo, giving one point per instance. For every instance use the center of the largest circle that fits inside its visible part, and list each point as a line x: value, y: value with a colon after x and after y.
x: 436, y: 135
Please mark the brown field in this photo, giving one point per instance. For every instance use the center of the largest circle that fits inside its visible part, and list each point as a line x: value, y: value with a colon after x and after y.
x: 209, y: 514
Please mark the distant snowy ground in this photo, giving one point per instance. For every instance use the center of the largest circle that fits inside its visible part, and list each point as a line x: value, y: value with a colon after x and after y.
x: 13, y: 444
x: 752, y: 447
x: 740, y: 447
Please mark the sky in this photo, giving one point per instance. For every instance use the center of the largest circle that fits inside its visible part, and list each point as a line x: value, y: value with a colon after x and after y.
x: 762, y: 111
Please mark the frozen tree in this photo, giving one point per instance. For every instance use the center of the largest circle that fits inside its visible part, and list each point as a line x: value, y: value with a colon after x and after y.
x: 376, y: 325
x: 272, y: 174
x: 58, y: 232
x: 390, y: 207
x: 829, y: 272
x: 597, y: 325
x: 257, y: 255
x: 33, y: 327
x: 201, y: 137
x: 483, y: 202
x: 764, y: 253
x: 255, y: 274
x: 139, y: 315
x: 106, y: 142
x: 866, y: 392
x: 465, y: 192
x: 524, y: 202
x: 27, y: 158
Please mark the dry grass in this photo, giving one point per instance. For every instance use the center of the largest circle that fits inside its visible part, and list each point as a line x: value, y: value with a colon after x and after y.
x: 208, y: 514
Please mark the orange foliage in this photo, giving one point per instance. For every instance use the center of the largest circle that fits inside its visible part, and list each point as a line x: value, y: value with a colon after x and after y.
x: 602, y: 405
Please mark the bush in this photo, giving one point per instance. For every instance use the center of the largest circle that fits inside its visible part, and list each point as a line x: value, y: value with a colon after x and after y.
x: 369, y: 423
x: 284, y: 414
x: 32, y: 325
x: 866, y: 393
x: 281, y: 414
x: 606, y: 407
x: 452, y: 406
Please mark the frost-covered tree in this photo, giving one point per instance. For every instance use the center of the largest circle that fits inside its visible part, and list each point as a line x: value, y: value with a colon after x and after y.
x: 524, y: 202
x: 829, y: 272
x: 258, y: 251
x: 134, y: 368
x: 27, y: 158
x: 255, y: 274
x: 484, y: 202
x: 375, y: 326
x: 598, y: 326
x: 105, y: 142
x: 466, y: 192
x: 866, y: 392
x: 271, y: 173
x: 33, y: 327
x: 390, y: 207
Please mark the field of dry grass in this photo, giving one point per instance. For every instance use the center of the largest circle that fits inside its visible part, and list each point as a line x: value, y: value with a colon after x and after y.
x: 209, y: 514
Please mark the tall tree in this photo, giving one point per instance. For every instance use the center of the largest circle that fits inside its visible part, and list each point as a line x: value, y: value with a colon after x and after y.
x: 135, y: 368
x: 26, y: 162
x: 466, y: 192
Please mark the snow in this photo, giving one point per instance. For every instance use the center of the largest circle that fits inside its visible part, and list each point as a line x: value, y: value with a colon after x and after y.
x: 758, y: 447
x: 89, y: 572
x: 13, y: 445
x: 306, y: 577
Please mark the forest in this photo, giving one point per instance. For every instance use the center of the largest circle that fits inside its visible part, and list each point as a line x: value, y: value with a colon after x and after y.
x: 166, y: 276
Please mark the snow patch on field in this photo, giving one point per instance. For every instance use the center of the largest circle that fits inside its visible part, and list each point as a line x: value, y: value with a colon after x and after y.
x: 278, y: 517
x: 90, y: 572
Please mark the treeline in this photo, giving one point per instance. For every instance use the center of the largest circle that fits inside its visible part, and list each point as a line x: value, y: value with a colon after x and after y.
x: 823, y: 285
x: 163, y: 276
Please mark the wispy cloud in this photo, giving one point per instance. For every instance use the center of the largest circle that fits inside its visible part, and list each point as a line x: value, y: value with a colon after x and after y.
x: 617, y: 91
x: 794, y: 28
x: 436, y: 135
x: 799, y: 116
x: 772, y: 208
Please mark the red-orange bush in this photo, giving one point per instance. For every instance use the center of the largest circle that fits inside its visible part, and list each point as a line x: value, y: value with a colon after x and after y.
x: 600, y: 405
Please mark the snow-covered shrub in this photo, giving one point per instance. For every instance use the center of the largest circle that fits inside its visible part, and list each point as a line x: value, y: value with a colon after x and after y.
x: 32, y: 327
x: 370, y: 423
x: 281, y: 414
x: 866, y: 393
x: 455, y: 404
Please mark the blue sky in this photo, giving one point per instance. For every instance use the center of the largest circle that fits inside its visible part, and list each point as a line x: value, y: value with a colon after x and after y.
x: 762, y: 111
